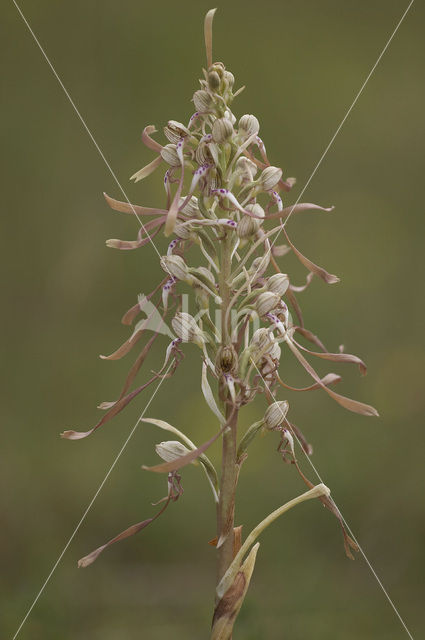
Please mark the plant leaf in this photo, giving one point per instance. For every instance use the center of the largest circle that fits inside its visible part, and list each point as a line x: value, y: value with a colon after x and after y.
x: 208, y: 395
x: 316, y: 492
x: 229, y: 605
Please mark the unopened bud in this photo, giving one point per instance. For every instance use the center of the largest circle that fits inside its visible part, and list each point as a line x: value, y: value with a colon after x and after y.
x: 185, y: 327
x: 175, y: 266
x: 203, y: 154
x: 276, y: 414
x: 213, y: 80
x: 278, y: 283
x: 266, y: 302
x: 262, y: 342
x: 169, y: 154
x: 206, y: 274
x: 229, y: 79
x: 202, y: 100
x: 191, y: 209
x: 175, y: 130
x: 249, y: 125
x: 171, y: 450
x: 259, y: 265
x: 222, y: 130
x: 227, y: 360
x: 270, y: 177
x: 249, y: 225
x: 182, y: 231
x: 246, y: 168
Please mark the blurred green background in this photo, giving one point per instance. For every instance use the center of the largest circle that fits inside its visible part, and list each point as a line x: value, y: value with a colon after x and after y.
x: 126, y: 65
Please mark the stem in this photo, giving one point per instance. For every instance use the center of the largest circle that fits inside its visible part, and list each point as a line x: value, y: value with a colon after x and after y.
x: 226, y: 505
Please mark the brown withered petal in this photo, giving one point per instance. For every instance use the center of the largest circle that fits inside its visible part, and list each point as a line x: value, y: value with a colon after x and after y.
x: 130, y: 245
x: 147, y: 170
x: 147, y: 140
x: 134, y: 369
x: 329, y: 278
x: 280, y: 250
x: 130, y: 315
x: 126, y: 207
x: 302, y: 440
x: 167, y: 467
x: 311, y: 337
x: 116, y: 408
x: 125, y: 348
x: 347, y: 403
x: 295, y: 305
x: 330, y: 504
x: 287, y: 184
x: 123, y: 401
x: 336, y: 357
x: 303, y: 287
x: 330, y: 378
x: 298, y: 208
x: 131, y: 531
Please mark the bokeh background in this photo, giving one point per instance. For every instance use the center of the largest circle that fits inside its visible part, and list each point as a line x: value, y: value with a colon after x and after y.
x: 126, y: 65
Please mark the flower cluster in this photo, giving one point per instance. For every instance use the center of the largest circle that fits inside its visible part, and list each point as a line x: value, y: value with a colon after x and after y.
x: 229, y: 298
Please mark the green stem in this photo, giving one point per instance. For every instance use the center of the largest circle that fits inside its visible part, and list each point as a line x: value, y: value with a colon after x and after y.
x: 226, y: 505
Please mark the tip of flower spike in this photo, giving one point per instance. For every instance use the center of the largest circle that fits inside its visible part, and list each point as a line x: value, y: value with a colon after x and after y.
x: 208, y: 35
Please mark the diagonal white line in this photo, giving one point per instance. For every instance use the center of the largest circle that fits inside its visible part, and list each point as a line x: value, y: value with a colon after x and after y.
x: 369, y: 564
x: 83, y: 122
x: 341, y: 124
x: 89, y: 506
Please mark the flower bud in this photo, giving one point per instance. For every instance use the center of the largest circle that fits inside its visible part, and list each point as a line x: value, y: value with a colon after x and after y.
x: 259, y: 265
x: 207, y: 274
x: 248, y: 125
x: 262, y: 342
x: 222, y: 130
x: 270, y: 177
x: 203, y: 154
x: 185, y: 327
x: 171, y: 450
x: 278, y: 283
x: 175, y: 130
x: 213, y: 80
x: 266, y: 302
x: 228, y: 79
x: 248, y: 226
x: 169, y: 154
x: 202, y: 100
x: 182, y: 231
x: 276, y: 414
x: 226, y: 360
x: 175, y: 266
x: 246, y: 168
x: 191, y: 209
